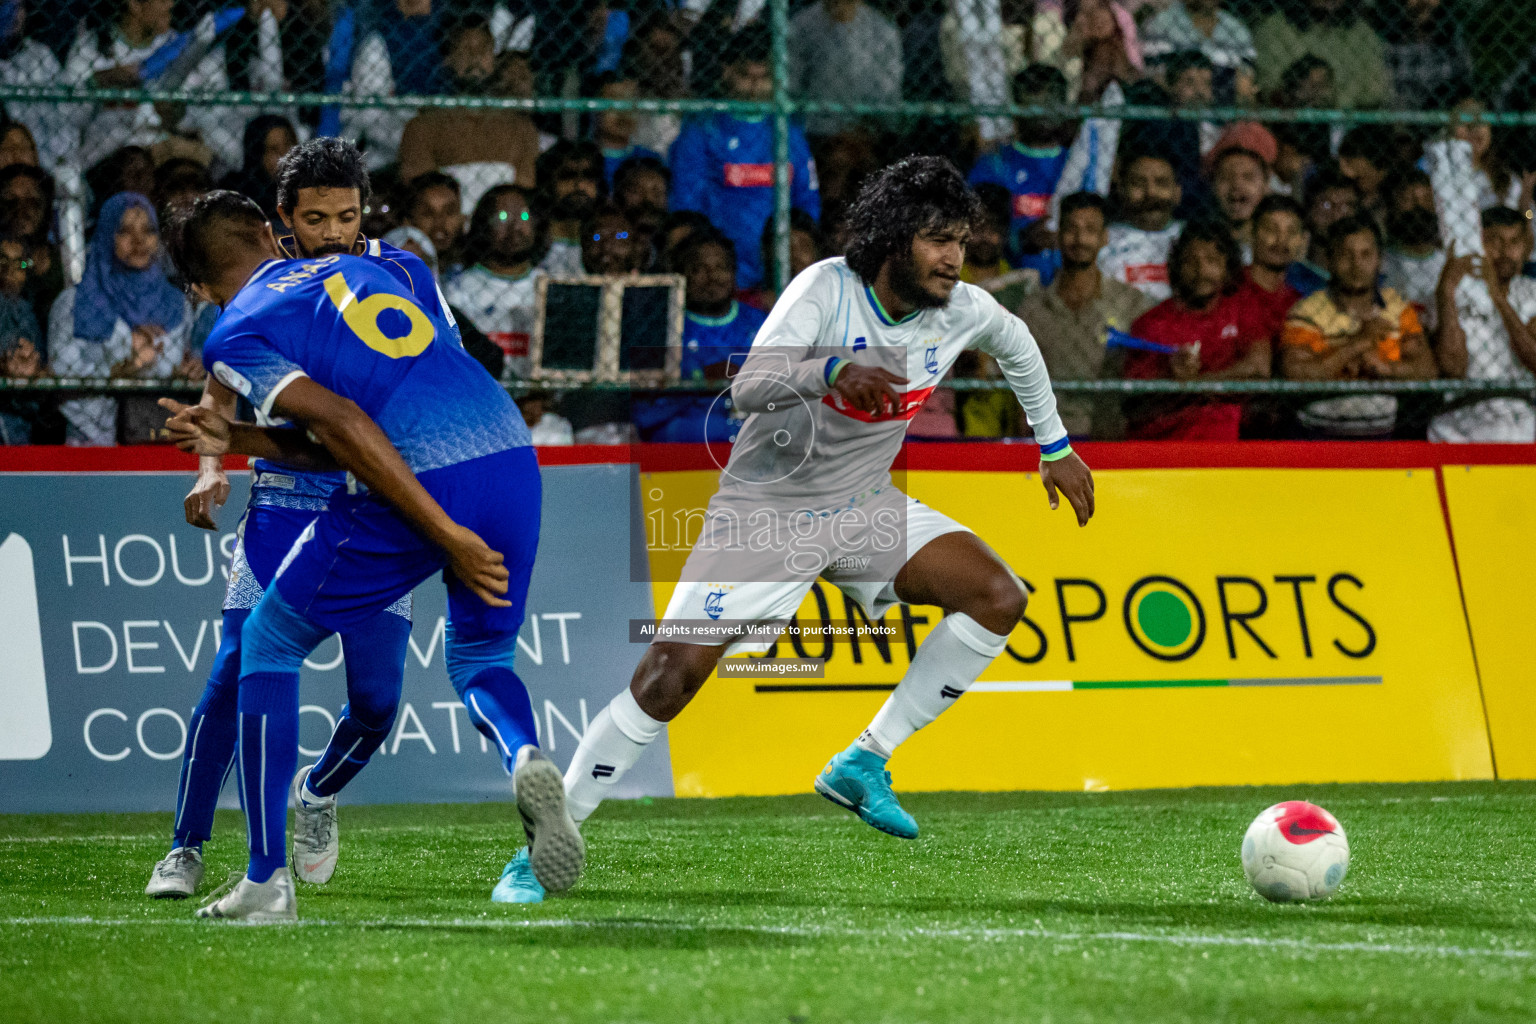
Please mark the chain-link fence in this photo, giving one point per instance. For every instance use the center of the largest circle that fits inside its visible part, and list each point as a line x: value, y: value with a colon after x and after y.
x: 1341, y: 152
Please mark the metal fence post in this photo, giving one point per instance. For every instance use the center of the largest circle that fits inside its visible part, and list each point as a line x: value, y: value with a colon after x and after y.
x: 779, y: 14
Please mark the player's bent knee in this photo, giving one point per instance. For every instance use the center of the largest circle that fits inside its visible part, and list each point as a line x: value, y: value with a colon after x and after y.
x: 669, y: 675
x: 374, y: 712
x: 999, y: 603
x: 276, y: 638
x: 467, y: 658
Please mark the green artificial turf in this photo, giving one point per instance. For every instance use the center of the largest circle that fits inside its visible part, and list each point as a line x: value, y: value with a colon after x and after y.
x: 1033, y: 907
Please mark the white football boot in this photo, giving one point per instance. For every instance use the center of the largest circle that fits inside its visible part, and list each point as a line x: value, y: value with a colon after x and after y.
x: 177, y: 875
x: 315, y: 842
x: 555, y: 847
x: 269, y: 902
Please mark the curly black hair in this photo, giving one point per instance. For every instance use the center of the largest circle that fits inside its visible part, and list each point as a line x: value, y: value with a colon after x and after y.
x: 1347, y: 227
x: 1219, y: 234
x: 913, y: 195
x: 325, y: 162
x: 477, y: 242
x: 196, y: 233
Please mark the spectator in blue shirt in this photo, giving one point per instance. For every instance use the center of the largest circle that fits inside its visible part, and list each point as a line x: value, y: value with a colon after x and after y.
x: 1031, y: 165
x: 722, y: 165
x: 715, y: 328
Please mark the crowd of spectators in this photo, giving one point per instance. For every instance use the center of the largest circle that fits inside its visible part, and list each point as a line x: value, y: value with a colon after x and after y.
x: 1212, y: 252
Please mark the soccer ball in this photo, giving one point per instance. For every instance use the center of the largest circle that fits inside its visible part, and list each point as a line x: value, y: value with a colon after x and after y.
x: 1295, y: 852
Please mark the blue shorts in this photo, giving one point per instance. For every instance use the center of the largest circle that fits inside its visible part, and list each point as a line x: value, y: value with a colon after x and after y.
x: 359, y: 556
x: 265, y: 536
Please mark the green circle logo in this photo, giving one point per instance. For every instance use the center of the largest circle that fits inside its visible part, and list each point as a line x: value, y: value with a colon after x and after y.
x: 1164, y: 618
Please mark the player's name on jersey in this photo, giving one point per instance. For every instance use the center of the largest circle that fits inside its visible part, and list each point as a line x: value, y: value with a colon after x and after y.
x: 298, y: 275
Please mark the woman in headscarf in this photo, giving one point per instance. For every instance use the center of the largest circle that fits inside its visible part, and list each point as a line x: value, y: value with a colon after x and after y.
x: 124, y: 319
x: 267, y: 138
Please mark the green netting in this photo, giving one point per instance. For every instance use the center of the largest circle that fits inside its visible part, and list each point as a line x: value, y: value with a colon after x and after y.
x: 1418, y: 113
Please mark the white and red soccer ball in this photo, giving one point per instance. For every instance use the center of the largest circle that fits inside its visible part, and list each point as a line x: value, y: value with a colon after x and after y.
x: 1295, y: 852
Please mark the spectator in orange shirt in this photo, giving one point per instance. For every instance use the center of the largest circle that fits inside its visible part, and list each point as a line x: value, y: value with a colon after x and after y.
x: 1354, y: 330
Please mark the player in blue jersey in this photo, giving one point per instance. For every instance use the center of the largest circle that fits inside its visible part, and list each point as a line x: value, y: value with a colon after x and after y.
x: 322, y: 188
x: 1030, y: 166
x: 379, y: 387
x: 715, y: 328
x: 722, y: 165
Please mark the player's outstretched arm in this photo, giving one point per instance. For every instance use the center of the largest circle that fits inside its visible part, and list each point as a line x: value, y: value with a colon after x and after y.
x: 362, y: 449
x: 1018, y: 356
x: 211, y: 490
x: 210, y: 434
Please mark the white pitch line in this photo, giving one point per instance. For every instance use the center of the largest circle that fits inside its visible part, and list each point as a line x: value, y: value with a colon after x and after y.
x: 82, y: 839
x: 963, y: 934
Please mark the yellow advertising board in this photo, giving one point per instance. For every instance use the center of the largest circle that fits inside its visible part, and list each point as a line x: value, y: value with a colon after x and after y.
x: 1493, y: 518
x: 1209, y: 627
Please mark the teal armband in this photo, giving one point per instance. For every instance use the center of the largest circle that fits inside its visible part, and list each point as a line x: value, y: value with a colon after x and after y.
x: 834, y: 367
x: 1054, y: 453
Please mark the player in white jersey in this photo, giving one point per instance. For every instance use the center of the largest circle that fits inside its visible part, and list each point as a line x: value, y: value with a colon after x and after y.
x: 844, y: 361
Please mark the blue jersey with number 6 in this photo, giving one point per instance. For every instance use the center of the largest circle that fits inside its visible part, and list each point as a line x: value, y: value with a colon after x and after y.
x: 352, y: 327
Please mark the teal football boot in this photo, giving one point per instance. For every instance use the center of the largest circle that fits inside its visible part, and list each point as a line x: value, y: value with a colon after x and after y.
x: 857, y: 779
x: 517, y: 883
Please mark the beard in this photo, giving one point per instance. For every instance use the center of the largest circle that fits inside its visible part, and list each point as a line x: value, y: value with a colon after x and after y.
x: 1147, y: 210
x: 909, y: 289
x: 511, y: 256
x: 329, y: 249
x: 646, y: 218
x: 572, y: 206
x: 1417, y: 226
x: 471, y: 85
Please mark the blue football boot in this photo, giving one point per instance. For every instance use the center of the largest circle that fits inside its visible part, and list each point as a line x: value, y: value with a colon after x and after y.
x: 857, y: 779
x: 517, y: 883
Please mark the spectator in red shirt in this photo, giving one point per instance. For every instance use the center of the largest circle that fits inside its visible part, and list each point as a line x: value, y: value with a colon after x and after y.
x: 1279, y: 239
x: 1217, y: 334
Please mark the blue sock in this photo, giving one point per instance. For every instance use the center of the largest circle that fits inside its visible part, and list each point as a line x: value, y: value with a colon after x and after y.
x: 275, y: 641
x: 501, y: 709
x: 375, y: 660
x: 269, y: 755
x: 480, y: 669
x: 211, y: 736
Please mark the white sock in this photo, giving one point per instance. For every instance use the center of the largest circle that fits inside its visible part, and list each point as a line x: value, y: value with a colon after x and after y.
x: 312, y: 799
x: 612, y: 744
x: 946, y: 664
x: 525, y: 753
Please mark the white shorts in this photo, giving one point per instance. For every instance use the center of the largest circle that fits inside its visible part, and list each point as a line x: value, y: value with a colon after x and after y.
x: 754, y: 565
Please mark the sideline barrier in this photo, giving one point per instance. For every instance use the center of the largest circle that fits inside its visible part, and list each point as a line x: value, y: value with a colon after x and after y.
x: 1212, y: 626
x: 109, y: 620
x: 1334, y: 644
x: 1493, y: 513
